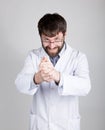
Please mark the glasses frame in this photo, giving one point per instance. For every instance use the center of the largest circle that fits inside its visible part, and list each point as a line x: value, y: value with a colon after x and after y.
x: 55, y: 41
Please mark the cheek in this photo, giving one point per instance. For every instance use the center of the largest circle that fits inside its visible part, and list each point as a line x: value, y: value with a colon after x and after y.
x: 44, y: 45
x: 60, y: 46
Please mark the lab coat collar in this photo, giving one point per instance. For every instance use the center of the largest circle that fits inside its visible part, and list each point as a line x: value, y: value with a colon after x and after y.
x: 63, y: 54
x: 43, y: 52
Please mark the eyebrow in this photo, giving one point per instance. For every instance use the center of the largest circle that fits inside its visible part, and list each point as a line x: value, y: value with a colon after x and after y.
x: 48, y: 38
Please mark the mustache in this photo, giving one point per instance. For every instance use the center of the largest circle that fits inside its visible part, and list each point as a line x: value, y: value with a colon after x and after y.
x: 50, y: 48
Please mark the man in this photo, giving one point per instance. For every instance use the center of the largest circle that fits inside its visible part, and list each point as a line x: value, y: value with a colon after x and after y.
x: 56, y: 75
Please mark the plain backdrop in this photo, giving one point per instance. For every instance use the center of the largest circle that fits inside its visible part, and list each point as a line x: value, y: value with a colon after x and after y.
x: 19, y: 34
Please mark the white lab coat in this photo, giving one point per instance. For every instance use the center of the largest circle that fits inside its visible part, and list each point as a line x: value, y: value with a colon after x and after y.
x: 55, y: 107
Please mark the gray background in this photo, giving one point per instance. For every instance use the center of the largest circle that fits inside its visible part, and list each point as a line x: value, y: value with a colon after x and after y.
x: 18, y: 35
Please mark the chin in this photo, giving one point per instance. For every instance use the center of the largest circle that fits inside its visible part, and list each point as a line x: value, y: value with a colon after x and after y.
x: 52, y: 54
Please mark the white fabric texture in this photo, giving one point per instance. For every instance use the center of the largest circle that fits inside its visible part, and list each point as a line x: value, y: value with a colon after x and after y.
x: 55, y: 107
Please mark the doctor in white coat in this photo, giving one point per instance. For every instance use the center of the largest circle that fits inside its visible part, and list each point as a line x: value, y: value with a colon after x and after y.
x: 56, y: 75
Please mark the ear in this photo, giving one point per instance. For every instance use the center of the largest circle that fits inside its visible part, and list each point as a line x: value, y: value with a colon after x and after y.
x: 64, y: 34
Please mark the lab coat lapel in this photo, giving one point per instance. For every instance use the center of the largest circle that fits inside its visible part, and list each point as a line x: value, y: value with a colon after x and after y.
x: 64, y: 58
x: 43, y: 53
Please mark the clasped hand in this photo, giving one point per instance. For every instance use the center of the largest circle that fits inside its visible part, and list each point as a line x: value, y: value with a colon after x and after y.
x: 47, y: 72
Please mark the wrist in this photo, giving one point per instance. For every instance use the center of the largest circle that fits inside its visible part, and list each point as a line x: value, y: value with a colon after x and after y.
x: 36, y: 78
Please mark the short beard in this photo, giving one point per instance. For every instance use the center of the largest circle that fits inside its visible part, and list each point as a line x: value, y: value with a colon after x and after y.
x: 53, y: 54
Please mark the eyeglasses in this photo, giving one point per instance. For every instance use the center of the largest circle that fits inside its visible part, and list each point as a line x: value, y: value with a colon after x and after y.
x: 56, y: 41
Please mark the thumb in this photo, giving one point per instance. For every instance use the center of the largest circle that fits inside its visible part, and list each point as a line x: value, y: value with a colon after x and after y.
x: 44, y: 59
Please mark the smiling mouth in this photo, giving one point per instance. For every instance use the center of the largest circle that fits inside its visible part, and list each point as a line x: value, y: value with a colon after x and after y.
x: 52, y: 50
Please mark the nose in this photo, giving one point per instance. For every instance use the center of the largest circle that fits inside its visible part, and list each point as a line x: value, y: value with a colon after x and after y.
x: 51, y: 45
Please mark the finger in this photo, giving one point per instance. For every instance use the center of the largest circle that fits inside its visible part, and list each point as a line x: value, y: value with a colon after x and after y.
x: 44, y: 59
x: 47, y: 69
x: 46, y: 66
x: 46, y: 77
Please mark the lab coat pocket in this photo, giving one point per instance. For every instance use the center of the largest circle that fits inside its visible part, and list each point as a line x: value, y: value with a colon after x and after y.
x: 33, y: 122
x: 37, y: 123
x: 74, y: 124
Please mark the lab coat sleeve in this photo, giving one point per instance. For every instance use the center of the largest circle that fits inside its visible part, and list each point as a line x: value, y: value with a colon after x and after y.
x: 77, y: 84
x: 24, y: 80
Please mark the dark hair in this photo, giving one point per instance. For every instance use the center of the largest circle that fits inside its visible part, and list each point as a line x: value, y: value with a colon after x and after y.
x: 52, y: 24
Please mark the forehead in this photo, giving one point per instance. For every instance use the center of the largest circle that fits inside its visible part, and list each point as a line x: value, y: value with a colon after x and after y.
x: 59, y: 35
